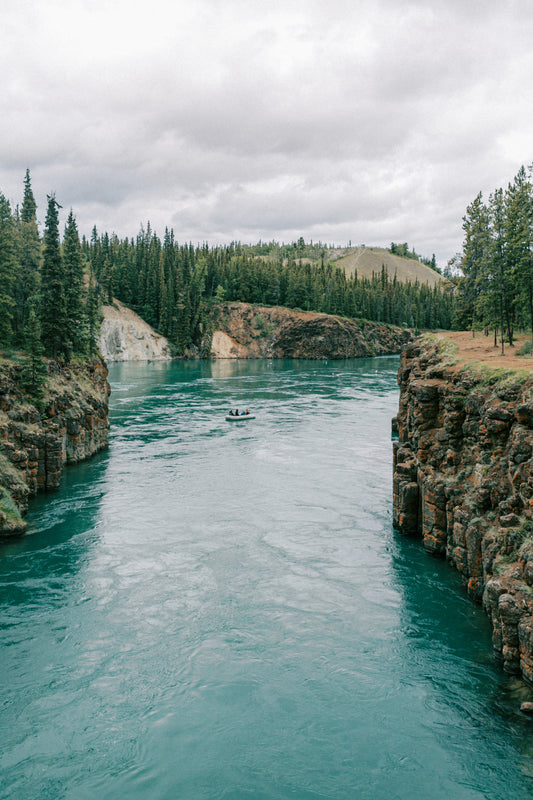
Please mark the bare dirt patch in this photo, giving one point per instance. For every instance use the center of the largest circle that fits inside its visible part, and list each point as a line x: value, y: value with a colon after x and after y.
x: 481, y: 348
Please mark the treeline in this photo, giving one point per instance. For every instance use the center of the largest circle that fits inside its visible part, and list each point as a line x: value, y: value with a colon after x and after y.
x: 403, y: 251
x: 45, y: 306
x: 172, y: 286
x: 50, y: 288
x: 496, y: 289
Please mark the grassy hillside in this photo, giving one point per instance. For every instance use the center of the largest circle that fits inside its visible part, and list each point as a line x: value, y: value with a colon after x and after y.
x: 367, y: 260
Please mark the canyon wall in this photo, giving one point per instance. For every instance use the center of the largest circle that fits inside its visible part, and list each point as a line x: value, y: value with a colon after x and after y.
x: 124, y: 336
x: 245, y: 331
x: 241, y: 330
x: 69, y: 424
x: 463, y: 482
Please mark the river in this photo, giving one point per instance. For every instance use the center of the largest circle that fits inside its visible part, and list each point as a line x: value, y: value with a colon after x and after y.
x: 222, y: 611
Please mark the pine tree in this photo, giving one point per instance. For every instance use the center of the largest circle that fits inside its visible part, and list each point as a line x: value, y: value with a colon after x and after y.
x: 8, y: 270
x: 519, y: 238
x: 92, y: 313
x: 502, y: 288
x: 475, y: 254
x: 34, y: 370
x: 54, y: 324
x: 76, y: 327
x: 29, y: 257
x: 28, y: 212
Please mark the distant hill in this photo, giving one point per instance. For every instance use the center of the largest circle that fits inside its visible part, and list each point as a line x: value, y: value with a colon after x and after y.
x: 367, y: 260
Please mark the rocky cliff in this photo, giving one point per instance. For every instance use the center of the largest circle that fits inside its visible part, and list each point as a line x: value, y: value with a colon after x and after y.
x: 463, y: 482
x: 68, y: 425
x: 124, y: 336
x: 246, y: 331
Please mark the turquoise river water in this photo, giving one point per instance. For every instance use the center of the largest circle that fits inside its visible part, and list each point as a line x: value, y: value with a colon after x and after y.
x: 222, y: 611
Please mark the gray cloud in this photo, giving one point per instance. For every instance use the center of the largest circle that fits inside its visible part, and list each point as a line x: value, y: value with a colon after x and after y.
x: 346, y: 120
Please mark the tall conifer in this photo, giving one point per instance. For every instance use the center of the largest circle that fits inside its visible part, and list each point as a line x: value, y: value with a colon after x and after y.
x: 34, y: 370
x: 519, y: 236
x: 54, y: 325
x: 92, y: 312
x: 74, y: 287
x: 8, y: 270
x: 29, y: 256
x: 475, y: 255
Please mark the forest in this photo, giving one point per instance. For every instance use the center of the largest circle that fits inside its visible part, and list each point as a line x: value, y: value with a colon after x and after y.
x: 495, y: 292
x: 173, y: 286
x: 51, y: 287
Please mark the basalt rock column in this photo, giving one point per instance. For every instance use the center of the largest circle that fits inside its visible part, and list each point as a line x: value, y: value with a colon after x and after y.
x: 463, y: 483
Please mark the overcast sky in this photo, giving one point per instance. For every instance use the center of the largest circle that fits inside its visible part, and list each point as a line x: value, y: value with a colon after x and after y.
x: 335, y: 120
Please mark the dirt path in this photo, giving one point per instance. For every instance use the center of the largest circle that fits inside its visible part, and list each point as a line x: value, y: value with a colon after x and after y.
x: 481, y: 348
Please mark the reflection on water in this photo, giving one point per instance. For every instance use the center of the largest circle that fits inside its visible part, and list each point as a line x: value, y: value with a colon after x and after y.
x: 211, y: 610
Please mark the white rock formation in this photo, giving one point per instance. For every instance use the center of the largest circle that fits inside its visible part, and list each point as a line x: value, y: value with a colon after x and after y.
x: 124, y: 336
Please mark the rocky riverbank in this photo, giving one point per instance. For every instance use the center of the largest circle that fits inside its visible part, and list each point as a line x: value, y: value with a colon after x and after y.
x: 68, y: 425
x: 463, y: 482
x: 245, y: 331
x: 241, y: 330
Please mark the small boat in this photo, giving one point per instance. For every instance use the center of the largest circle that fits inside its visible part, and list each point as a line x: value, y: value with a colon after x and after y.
x: 240, y: 418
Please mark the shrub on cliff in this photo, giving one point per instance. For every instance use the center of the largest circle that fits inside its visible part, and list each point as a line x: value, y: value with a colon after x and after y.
x: 10, y: 519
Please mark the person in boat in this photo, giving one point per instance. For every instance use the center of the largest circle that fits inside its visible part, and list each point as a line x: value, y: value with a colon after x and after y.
x: 231, y: 414
x: 246, y: 412
x: 236, y: 412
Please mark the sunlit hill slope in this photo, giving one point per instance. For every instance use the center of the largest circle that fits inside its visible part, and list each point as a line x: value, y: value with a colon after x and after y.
x: 367, y: 260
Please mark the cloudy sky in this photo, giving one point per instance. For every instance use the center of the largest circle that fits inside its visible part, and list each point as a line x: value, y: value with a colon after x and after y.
x: 336, y: 120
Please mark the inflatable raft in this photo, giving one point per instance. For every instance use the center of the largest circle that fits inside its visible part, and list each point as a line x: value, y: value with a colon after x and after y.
x: 240, y: 418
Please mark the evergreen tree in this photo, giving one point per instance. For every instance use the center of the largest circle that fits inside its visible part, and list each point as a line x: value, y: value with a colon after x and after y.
x: 475, y: 256
x: 54, y: 323
x: 28, y: 212
x: 34, y: 370
x: 76, y: 323
x: 92, y: 313
x: 501, y: 281
x: 519, y: 240
x: 29, y: 256
x: 8, y: 270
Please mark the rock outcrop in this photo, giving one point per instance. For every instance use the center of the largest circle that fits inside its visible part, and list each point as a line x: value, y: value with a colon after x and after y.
x: 246, y: 331
x: 463, y: 482
x: 70, y: 424
x: 124, y: 336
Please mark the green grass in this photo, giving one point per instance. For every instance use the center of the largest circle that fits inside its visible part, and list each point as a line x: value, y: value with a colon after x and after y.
x: 526, y: 349
x: 486, y: 375
x: 8, y: 510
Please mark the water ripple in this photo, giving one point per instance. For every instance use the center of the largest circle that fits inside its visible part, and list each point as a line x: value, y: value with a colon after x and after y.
x: 222, y: 611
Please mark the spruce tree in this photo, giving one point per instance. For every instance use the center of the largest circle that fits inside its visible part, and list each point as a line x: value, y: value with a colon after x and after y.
x: 519, y: 236
x: 28, y: 212
x: 92, y: 313
x: 54, y: 324
x: 76, y: 330
x: 29, y: 256
x: 475, y: 254
x: 502, y: 288
x: 34, y: 371
x: 8, y: 270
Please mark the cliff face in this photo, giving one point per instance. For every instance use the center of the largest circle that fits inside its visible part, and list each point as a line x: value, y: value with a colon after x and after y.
x: 463, y: 481
x: 70, y: 425
x: 124, y: 336
x: 245, y: 331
